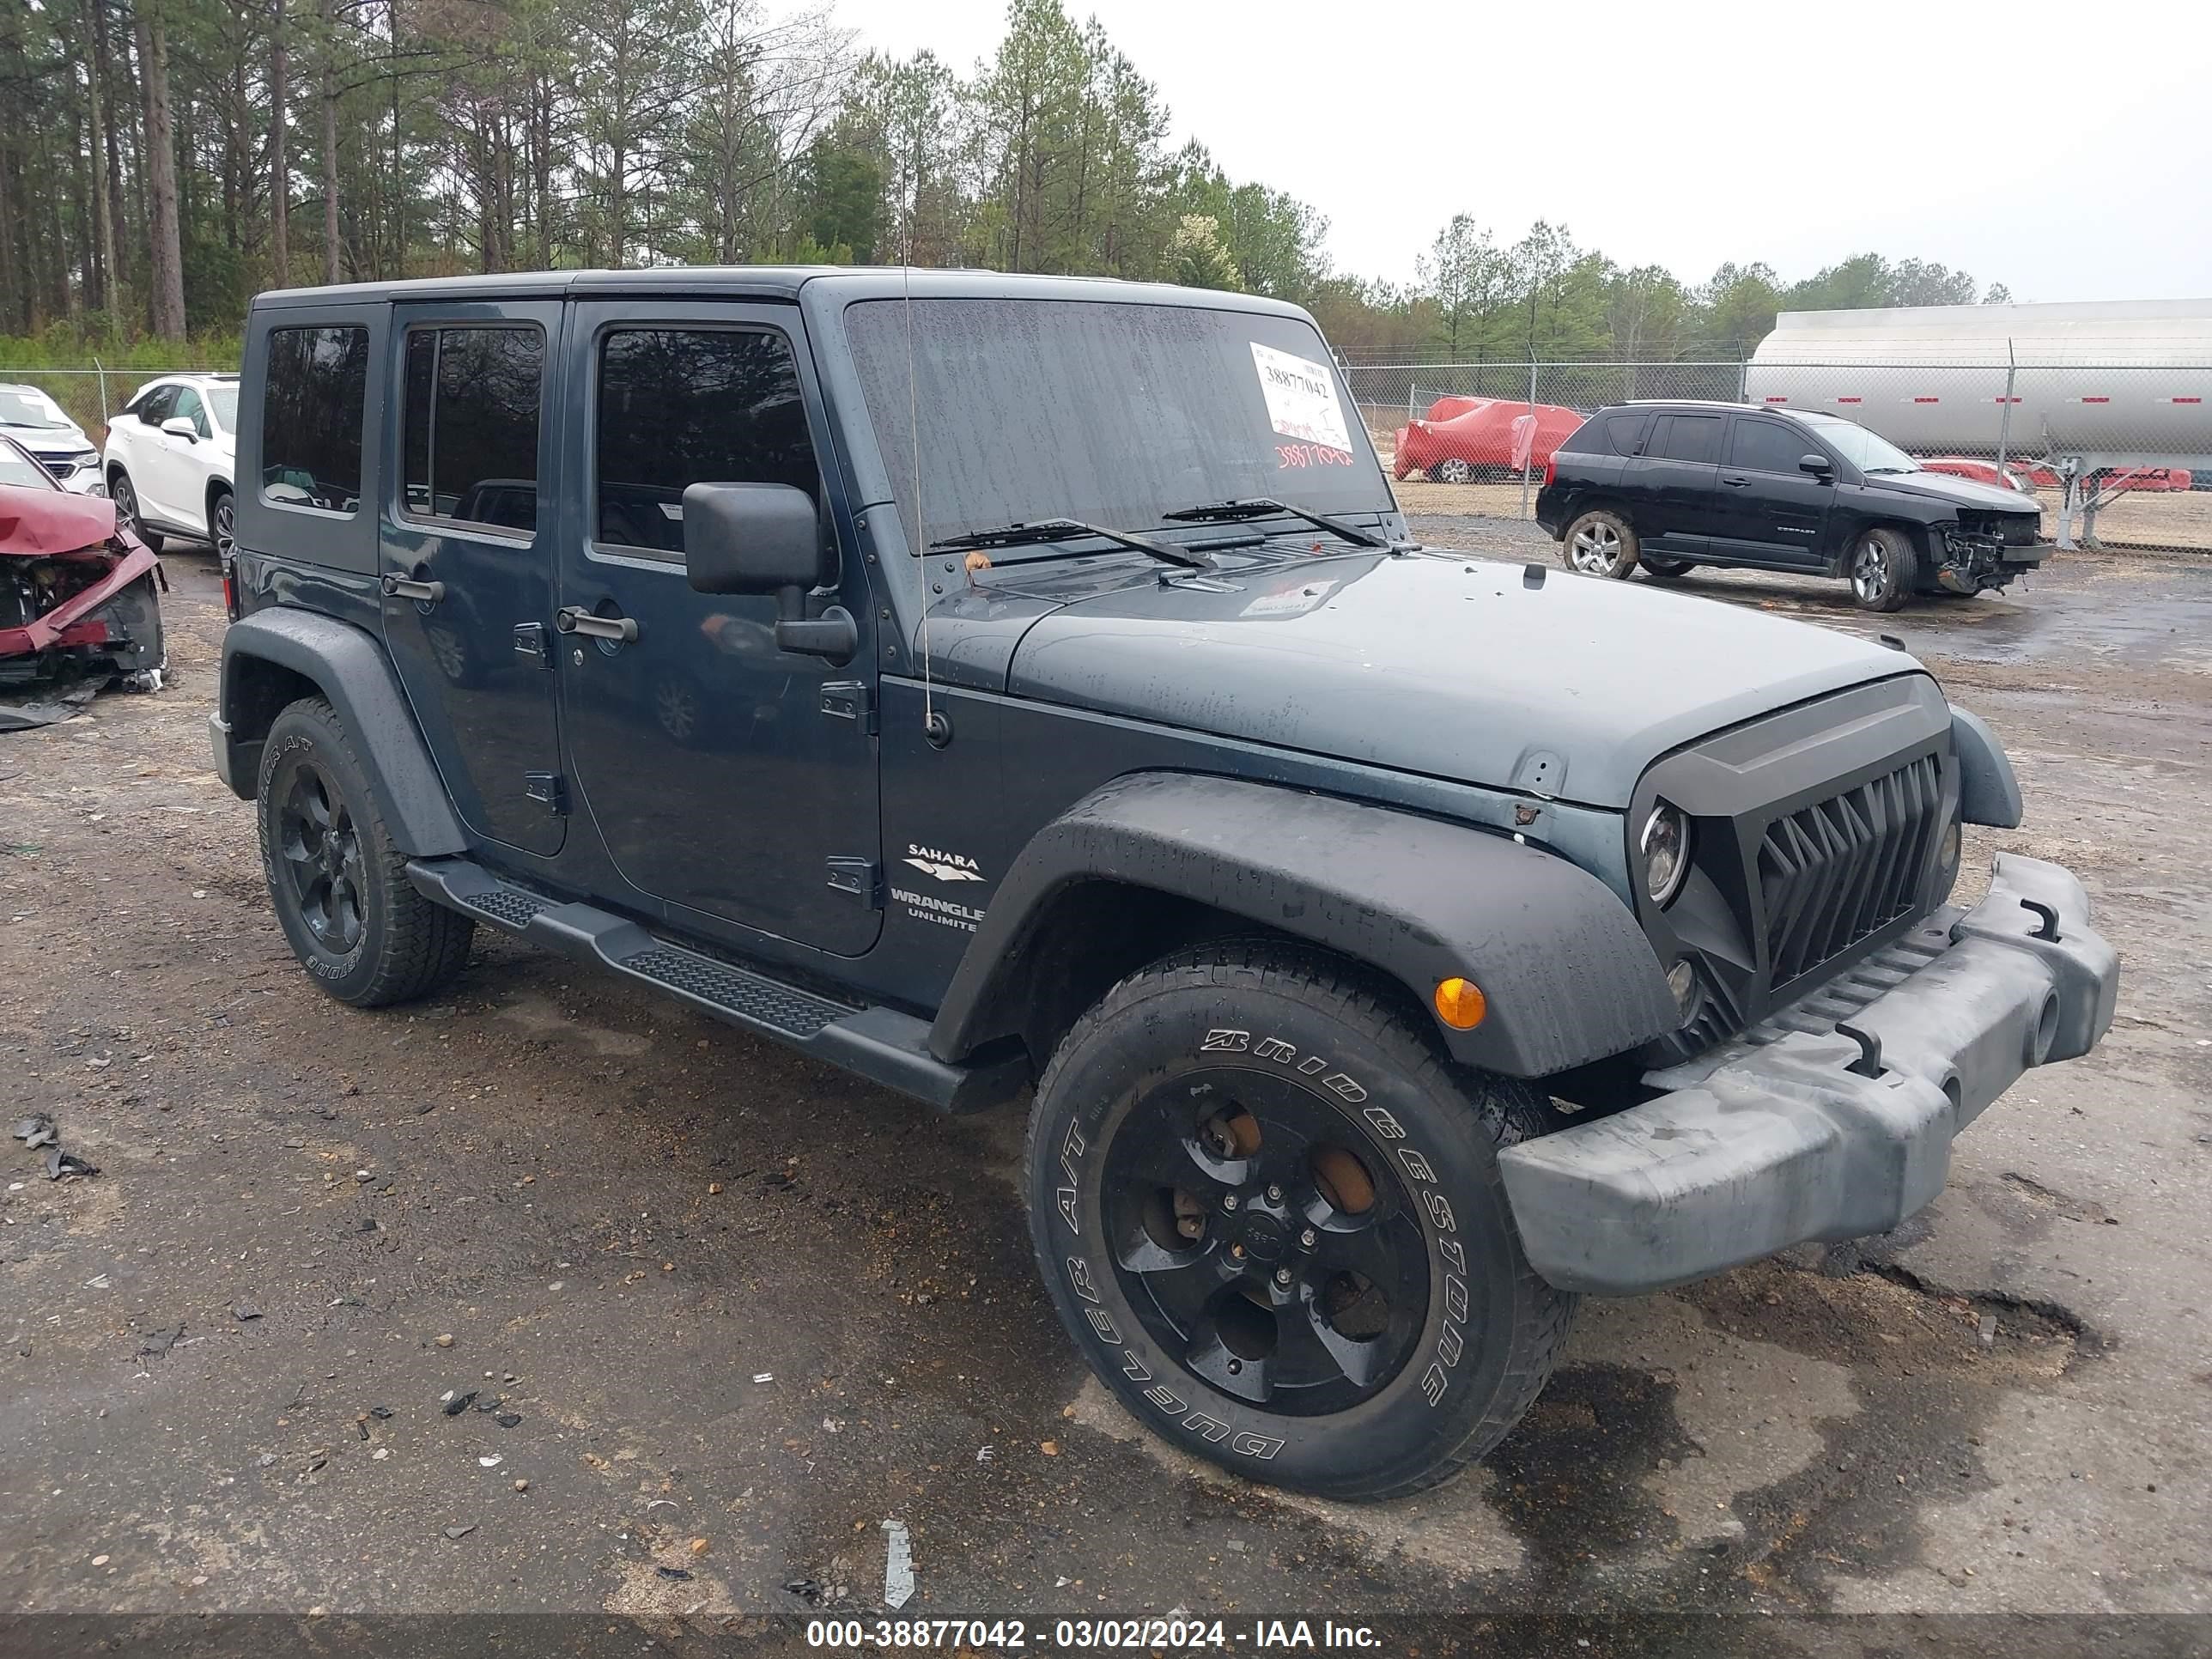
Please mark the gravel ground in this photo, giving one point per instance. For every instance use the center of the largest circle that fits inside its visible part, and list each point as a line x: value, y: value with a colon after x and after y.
x: 732, y: 1310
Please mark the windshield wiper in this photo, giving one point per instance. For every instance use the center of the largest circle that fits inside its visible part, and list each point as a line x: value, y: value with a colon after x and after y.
x: 1040, y: 531
x: 1259, y: 507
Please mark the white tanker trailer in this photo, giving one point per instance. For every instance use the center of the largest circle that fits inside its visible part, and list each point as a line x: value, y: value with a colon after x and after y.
x: 2088, y: 391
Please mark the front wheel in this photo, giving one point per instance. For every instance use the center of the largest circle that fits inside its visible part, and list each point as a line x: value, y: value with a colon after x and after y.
x: 124, y: 494
x: 1452, y: 471
x: 1269, y: 1211
x: 1883, y: 570
x: 1666, y: 570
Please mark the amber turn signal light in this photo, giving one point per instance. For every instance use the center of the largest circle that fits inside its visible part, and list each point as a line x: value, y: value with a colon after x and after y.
x: 1460, y: 1003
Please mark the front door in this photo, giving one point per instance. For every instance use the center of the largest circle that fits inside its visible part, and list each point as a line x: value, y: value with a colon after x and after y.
x: 727, y: 784
x: 1771, y: 511
x: 467, y: 561
x: 1671, y: 484
x: 170, y: 476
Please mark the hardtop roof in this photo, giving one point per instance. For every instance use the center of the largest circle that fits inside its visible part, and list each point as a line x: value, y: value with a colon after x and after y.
x: 771, y: 283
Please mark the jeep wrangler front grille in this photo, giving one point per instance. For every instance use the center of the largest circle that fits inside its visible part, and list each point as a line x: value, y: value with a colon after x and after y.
x: 1834, y: 872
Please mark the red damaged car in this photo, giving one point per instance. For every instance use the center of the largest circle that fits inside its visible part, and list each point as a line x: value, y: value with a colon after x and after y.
x: 77, y: 599
x: 1466, y: 438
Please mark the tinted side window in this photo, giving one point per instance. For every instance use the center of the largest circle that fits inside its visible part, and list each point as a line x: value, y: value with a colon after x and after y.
x: 189, y: 407
x: 1626, y: 433
x: 1588, y: 438
x: 1767, y: 447
x: 1689, y: 438
x: 311, y: 410
x: 155, y: 406
x: 686, y: 406
x: 470, y: 444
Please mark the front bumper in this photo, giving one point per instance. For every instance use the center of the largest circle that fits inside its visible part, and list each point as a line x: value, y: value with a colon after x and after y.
x: 1800, y: 1130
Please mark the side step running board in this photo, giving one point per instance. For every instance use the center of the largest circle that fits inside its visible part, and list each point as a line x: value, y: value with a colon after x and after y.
x: 882, y: 1045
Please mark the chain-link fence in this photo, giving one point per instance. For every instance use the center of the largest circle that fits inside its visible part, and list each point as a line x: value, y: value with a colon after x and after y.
x: 90, y: 395
x: 2117, y: 455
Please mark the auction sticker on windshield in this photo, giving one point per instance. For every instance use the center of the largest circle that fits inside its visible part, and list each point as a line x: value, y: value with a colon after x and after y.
x: 1301, y: 398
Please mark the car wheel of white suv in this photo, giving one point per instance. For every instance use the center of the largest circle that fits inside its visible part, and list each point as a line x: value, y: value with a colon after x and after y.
x: 126, y: 510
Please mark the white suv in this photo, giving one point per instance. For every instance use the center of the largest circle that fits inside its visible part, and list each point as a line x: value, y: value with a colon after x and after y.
x: 55, y: 442
x: 171, y: 459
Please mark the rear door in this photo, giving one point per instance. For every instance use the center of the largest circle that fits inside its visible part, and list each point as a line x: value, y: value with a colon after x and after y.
x: 1770, y: 512
x: 1672, y: 483
x: 467, y: 555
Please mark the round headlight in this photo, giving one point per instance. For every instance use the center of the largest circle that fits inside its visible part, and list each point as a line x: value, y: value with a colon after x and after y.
x: 1666, y: 847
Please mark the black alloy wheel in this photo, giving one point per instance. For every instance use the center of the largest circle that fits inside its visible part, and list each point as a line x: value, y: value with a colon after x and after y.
x: 1258, y: 1236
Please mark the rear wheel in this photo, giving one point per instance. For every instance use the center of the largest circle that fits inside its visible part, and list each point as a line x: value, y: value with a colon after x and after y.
x: 126, y: 496
x: 1884, y: 567
x: 1601, y: 542
x: 338, y: 885
x: 1269, y: 1213
x: 222, y: 525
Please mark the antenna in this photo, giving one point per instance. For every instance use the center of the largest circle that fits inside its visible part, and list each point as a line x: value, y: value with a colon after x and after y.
x: 934, y: 726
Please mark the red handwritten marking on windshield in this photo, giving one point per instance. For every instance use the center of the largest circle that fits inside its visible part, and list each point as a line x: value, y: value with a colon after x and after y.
x: 1304, y: 455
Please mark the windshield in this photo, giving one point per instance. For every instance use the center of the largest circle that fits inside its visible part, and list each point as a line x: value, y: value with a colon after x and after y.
x: 1867, y: 450
x: 1112, y: 413
x: 22, y: 406
x: 17, y: 468
x: 223, y: 399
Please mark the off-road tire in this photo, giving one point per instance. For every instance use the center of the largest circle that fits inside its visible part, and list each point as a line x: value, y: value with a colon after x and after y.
x: 1667, y: 570
x: 1883, y: 569
x: 1601, y: 542
x: 1300, y: 1025
x: 126, y: 496
x: 407, y: 945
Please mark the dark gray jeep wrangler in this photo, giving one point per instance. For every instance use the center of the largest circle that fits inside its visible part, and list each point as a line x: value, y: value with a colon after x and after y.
x: 988, y: 684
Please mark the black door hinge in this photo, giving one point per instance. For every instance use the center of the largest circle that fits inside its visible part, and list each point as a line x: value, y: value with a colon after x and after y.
x: 850, y: 700
x: 549, y: 790
x: 862, y: 878
x: 530, y: 641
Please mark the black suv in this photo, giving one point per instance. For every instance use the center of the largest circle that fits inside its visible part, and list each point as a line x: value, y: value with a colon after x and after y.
x: 1670, y: 486
x: 993, y: 684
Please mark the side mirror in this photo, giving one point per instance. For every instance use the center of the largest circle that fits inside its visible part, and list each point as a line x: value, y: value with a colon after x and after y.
x: 180, y: 426
x: 766, y: 538
x: 1819, y: 465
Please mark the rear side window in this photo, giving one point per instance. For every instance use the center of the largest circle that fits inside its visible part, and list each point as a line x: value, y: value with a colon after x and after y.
x: 1626, y: 433
x: 311, y: 410
x: 471, y: 442
x: 680, y: 406
x: 1767, y: 447
x: 1688, y: 438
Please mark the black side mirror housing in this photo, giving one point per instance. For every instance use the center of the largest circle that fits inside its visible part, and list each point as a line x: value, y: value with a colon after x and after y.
x: 1819, y: 465
x: 751, y: 538
x: 767, y: 538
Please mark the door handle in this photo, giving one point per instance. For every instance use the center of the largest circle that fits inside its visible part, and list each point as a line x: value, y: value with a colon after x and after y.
x: 406, y: 587
x: 1737, y: 483
x: 574, y: 619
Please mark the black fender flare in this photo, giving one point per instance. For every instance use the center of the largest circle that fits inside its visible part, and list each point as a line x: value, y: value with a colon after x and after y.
x: 1569, y: 974
x: 1988, y: 791
x: 348, y: 666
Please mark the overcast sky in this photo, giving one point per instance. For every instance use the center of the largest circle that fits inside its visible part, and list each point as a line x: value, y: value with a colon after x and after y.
x: 2064, y: 151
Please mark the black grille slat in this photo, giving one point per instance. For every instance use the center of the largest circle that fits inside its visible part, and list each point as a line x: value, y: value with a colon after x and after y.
x: 1834, y: 872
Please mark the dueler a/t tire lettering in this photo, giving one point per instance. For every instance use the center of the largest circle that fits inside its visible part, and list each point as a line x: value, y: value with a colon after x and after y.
x: 1306, y: 1039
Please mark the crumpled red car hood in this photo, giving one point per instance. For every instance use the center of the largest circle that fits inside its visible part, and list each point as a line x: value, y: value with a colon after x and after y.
x: 36, y: 523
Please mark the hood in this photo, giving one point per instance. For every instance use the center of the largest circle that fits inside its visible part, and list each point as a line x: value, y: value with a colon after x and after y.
x: 50, y: 439
x: 1566, y: 687
x: 1960, y: 492
x: 35, y: 522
